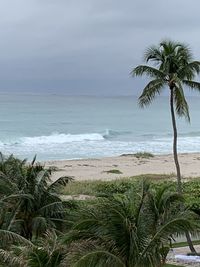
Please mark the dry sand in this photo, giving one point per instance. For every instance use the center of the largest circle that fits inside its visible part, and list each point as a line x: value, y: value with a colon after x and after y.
x: 91, y: 169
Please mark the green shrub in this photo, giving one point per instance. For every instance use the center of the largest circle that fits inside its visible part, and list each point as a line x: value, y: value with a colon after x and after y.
x: 115, y: 171
x: 192, y: 193
x: 116, y: 187
x: 143, y: 155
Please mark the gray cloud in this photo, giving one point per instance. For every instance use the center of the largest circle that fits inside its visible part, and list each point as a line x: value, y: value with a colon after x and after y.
x: 89, y: 46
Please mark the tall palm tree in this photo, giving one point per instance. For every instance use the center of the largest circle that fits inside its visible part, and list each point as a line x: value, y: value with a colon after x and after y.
x: 127, y: 230
x: 174, y: 68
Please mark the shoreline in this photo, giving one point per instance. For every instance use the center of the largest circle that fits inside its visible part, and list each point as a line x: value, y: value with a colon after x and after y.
x: 110, y: 168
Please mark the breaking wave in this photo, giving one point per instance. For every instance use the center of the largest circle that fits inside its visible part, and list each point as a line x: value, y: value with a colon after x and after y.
x: 61, y: 138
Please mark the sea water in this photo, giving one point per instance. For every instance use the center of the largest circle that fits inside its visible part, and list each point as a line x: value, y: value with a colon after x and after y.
x: 68, y: 127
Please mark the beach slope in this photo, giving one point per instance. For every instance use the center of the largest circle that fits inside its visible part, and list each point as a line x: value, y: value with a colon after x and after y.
x: 125, y: 166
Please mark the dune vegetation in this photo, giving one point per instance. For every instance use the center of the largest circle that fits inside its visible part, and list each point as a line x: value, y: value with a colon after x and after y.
x: 130, y: 222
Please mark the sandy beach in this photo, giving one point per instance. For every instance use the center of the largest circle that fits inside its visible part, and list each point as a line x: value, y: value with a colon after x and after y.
x: 128, y: 165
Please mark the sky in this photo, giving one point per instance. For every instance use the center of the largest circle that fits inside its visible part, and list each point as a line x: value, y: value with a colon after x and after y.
x: 83, y: 47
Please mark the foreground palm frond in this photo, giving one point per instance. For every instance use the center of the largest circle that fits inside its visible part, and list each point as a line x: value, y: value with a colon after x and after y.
x: 48, y: 252
x: 29, y: 200
x: 128, y: 230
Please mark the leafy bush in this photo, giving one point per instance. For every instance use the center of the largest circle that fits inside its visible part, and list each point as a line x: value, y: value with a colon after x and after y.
x: 143, y: 155
x: 192, y: 194
x: 115, y: 171
x: 116, y: 187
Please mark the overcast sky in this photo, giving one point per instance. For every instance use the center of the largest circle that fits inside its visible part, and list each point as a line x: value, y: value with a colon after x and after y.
x: 87, y: 46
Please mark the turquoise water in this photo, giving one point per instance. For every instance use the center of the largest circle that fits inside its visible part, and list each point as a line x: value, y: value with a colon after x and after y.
x: 66, y: 127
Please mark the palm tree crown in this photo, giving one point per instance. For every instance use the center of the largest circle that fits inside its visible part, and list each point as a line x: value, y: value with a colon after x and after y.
x: 174, y: 67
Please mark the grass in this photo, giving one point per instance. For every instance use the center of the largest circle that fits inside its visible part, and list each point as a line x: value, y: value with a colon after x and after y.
x: 184, y: 244
x: 80, y: 187
x: 96, y: 187
x: 191, y: 187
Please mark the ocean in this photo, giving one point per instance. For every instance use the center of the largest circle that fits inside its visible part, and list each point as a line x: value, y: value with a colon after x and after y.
x: 57, y: 127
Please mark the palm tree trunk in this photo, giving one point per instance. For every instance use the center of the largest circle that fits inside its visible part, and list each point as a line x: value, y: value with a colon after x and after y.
x: 189, y: 241
x: 178, y: 171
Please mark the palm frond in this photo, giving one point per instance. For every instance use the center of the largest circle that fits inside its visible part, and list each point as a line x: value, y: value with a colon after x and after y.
x: 184, y: 53
x: 152, y: 89
x: 192, y: 85
x: 15, y: 197
x: 34, y: 160
x: 51, y: 208
x: 194, y: 66
x: 153, y: 53
x: 165, y: 195
x: 39, y: 225
x: 169, y: 46
x: 149, y: 71
x: 178, y: 49
x: 181, y: 104
x: 11, y: 217
x: 8, y: 257
x: 99, y: 258
x: 42, y: 178
x: 178, y: 224
x: 189, y: 70
x: 62, y: 181
x: 8, y: 236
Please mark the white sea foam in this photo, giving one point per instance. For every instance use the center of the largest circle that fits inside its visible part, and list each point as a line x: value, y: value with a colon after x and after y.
x: 68, y: 146
x: 60, y: 138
